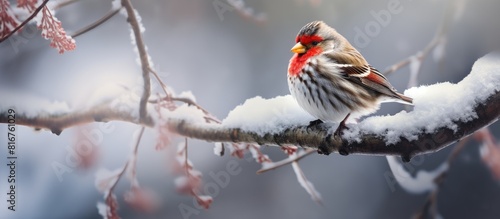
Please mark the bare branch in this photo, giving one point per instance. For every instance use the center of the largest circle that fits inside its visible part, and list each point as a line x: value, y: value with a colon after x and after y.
x: 64, y: 3
x: 304, y: 182
x: 109, y: 197
x: 439, y: 36
x: 289, y: 160
x: 106, y: 17
x: 430, y: 205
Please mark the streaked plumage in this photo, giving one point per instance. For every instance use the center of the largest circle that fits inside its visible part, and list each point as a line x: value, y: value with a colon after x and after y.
x: 331, y: 80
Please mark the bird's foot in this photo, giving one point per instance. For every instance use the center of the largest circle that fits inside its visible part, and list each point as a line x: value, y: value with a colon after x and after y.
x: 338, y: 132
x: 314, y: 123
x: 341, y: 127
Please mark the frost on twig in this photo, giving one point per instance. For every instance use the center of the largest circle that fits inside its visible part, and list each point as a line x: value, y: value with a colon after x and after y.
x: 145, y: 60
x: 306, y: 184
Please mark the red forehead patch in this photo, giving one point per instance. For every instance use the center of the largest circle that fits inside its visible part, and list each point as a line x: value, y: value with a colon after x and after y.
x: 308, y: 39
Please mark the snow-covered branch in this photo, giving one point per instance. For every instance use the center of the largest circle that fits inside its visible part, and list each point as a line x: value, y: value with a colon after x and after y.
x: 443, y: 113
x: 135, y: 23
x: 367, y: 143
x: 57, y: 121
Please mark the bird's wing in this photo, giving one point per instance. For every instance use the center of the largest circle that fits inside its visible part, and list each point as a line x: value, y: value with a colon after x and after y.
x: 371, y: 78
x: 355, y: 70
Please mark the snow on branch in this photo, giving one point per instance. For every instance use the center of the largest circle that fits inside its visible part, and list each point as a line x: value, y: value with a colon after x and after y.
x: 443, y: 113
x: 135, y: 24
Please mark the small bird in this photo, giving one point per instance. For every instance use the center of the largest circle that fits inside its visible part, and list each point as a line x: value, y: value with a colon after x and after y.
x: 331, y: 80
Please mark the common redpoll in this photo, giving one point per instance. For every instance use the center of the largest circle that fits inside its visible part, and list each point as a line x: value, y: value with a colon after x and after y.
x: 331, y: 80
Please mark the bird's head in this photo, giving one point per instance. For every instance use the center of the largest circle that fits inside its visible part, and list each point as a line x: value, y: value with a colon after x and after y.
x: 317, y: 38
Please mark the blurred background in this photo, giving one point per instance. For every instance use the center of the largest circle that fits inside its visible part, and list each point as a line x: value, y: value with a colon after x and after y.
x: 224, y: 57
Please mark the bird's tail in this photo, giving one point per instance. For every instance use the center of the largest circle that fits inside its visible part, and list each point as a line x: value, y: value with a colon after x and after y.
x: 404, y: 99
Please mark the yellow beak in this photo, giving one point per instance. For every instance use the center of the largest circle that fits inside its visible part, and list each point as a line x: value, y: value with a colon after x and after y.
x: 298, y: 48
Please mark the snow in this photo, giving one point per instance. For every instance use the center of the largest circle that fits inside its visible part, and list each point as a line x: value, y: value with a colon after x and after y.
x: 421, y: 183
x: 102, y: 209
x: 110, y: 92
x: 185, y: 112
x: 435, y: 106
x: 30, y: 105
x: 105, y: 178
x: 262, y: 116
x: 116, y: 96
x: 187, y: 95
x: 116, y: 4
x: 218, y: 148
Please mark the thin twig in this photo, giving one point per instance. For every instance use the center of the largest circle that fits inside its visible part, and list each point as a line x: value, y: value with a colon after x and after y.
x: 134, y: 23
x: 25, y: 21
x: 131, y: 162
x: 439, y: 36
x: 134, y: 151
x: 306, y: 184
x: 163, y: 85
x: 105, y: 18
x: 64, y: 3
x: 188, y: 101
x: 120, y: 175
x: 430, y: 204
x: 275, y: 165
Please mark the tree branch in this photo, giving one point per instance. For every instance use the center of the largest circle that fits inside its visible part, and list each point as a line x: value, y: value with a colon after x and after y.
x: 475, y: 104
x: 95, y: 24
x: 310, y: 137
x: 141, y: 47
x: 317, y: 136
x: 438, y: 38
x: 57, y: 122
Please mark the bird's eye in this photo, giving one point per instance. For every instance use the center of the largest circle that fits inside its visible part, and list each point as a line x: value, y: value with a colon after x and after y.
x: 314, y: 43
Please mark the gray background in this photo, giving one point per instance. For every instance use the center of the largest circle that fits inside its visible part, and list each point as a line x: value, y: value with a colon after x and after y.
x: 223, y: 62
